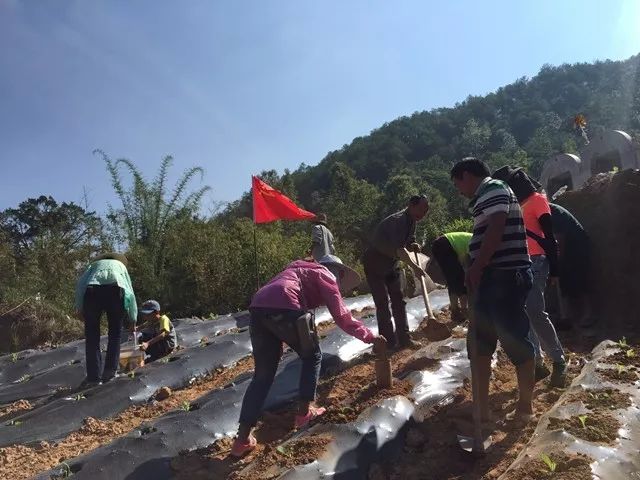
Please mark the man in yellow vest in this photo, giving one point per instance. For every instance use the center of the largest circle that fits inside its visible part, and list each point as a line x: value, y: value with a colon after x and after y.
x: 451, y: 251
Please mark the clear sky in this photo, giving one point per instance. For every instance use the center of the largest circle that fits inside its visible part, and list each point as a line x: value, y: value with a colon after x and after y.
x: 241, y: 86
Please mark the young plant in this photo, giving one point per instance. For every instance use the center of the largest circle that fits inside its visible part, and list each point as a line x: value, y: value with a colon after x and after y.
x: 622, y: 343
x: 14, y: 357
x: 620, y: 368
x: 14, y: 423
x: 79, y: 397
x: 583, y: 420
x: 65, y: 470
x: 132, y: 374
x: 282, y: 450
x: 186, y: 406
x: 24, y: 378
x: 631, y: 353
x: 551, y: 465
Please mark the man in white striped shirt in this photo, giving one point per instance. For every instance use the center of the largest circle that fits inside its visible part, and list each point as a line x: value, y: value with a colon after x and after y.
x: 499, y: 279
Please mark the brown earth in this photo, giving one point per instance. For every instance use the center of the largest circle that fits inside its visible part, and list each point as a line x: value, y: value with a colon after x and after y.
x: 597, y: 427
x: 345, y: 395
x: 608, y: 207
x: 441, y: 458
x: 14, y: 409
x: 623, y: 375
x: 601, y: 399
x: 20, y: 461
x: 627, y: 356
x: 431, y: 452
x: 567, y: 467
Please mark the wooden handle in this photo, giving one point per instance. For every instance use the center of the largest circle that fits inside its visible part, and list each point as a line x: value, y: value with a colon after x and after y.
x: 425, y: 294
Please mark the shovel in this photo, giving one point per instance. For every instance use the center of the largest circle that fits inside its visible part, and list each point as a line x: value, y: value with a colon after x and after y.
x: 475, y: 444
x: 434, y: 330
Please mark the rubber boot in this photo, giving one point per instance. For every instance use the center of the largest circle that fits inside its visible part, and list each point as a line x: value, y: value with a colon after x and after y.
x: 541, y: 372
x: 559, y: 375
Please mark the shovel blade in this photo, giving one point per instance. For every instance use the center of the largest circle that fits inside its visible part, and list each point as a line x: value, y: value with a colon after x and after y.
x: 469, y: 444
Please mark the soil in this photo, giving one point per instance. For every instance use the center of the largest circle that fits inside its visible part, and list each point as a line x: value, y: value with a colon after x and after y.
x: 14, y: 409
x: 627, y: 375
x: 21, y: 462
x: 345, y: 395
x: 598, y: 427
x: 439, y: 457
x: 601, y: 399
x: 275, y: 460
x: 607, y: 207
x: 568, y: 467
x: 627, y: 356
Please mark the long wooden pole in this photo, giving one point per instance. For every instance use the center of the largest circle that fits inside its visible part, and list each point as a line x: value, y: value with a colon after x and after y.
x: 425, y: 294
x: 255, y: 257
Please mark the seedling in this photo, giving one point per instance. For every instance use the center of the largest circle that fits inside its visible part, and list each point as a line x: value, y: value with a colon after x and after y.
x: 282, y: 450
x: 583, y: 420
x: 631, y: 353
x: 165, y: 360
x: 622, y: 343
x: 14, y: 423
x: 186, y: 406
x: 24, y: 378
x: 65, y: 470
x: 132, y: 374
x: 620, y: 368
x: 551, y: 465
x: 14, y: 357
x: 79, y: 397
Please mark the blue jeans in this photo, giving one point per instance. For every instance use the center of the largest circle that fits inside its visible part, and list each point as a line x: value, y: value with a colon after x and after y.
x: 268, y: 329
x: 499, y: 314
x: 542, y: 330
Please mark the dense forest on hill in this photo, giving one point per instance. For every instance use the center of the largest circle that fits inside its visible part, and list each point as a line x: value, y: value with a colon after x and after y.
x: 197, y: 265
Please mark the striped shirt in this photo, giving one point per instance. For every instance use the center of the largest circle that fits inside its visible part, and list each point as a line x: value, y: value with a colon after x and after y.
x: 494, y: 196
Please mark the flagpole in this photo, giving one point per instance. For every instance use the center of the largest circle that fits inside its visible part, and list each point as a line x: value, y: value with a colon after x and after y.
x: 255, y: 256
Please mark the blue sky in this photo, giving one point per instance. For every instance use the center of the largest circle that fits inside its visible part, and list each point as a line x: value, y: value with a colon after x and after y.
x: 242, y: 86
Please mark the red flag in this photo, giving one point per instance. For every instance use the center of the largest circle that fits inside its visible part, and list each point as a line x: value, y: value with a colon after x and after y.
x: 270, y: 205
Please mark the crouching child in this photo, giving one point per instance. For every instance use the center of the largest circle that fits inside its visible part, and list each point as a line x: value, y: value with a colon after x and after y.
x: 158, y: 337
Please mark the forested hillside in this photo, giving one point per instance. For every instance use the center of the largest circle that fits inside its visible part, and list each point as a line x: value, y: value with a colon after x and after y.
x: 197, y: 265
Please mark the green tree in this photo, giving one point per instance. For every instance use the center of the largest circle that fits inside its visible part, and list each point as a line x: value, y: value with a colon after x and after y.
x: 148, y: 211
x: 48, y: 241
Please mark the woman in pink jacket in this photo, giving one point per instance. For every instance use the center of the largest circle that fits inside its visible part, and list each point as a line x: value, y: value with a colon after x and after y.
x: 280, y: 313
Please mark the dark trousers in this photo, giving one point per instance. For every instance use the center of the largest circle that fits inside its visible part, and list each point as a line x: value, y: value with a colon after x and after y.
x: 383, y: 277
x: 157, y: 350
x: 500, y: 314
x: 99, y: 299
x: 450, y: 265
x: 269, y: 328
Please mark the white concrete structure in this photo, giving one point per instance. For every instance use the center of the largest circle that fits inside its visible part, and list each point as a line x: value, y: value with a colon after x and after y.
x: 607, y: 151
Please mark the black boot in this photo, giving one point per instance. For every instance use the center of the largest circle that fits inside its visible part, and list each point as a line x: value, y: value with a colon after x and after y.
x: 559, y: 375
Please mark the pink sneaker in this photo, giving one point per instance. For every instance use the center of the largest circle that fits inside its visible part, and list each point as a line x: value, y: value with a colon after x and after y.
x: 303, y: 420
x: 240, y: 449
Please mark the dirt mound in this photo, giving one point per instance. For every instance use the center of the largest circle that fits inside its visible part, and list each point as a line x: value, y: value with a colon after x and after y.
x: 608, y: 206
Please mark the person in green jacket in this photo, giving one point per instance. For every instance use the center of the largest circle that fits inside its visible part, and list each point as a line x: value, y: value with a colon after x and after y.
x: 451, y: 251
x: 104, y: 286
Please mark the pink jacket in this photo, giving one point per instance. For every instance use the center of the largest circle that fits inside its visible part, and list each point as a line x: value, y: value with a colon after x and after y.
x: 307, y: 285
